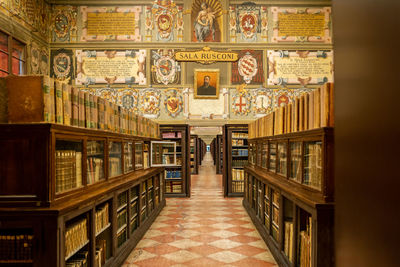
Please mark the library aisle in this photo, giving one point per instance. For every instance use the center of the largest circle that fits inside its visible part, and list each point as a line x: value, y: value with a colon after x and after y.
x: 205, y: 230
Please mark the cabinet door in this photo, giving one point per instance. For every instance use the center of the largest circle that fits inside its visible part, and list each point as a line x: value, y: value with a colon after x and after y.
x: 163, y: 153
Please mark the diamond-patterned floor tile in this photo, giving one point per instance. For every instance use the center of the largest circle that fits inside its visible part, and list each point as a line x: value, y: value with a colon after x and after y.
x: 203, y: 230
x: 254, y: 263
x: 181, y: 256
x: 185, y: 243
x: 227, y: 256
x: 225, y: 244
x: 158, y: 261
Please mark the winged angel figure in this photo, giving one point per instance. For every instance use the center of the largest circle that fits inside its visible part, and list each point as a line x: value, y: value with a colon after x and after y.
x: 205, y: 14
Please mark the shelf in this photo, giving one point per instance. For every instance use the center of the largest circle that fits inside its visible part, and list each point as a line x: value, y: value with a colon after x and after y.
x: 102, y: 230
x: 16, y: 261
x: 240, y: 146
x: 135, y: 198
x: 96, y: 154
x: 238, y: 167
x: 76, y: 250
x: 144, y: 207
x: 134, y: 216
x: 121, y: 228
x: 122, y: 207
x: 173, y: 179
x: 174, y: 166
x: 237, y: 156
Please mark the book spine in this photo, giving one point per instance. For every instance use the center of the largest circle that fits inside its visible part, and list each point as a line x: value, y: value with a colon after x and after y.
x: 66, y: 94
x: 101, y: 113
x: 317, y: 108
x: 59, y: 103
x: 95, y: 112
x: 75, y: 106
x: 46, y: 99
x: 87, y: 110
x: 81, y: 108
x: 92, y: 111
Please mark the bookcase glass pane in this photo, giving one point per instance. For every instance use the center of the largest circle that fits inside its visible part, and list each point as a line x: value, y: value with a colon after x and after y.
x: 122, y: 217
x: 272, y: 157
x: 259, y: 154
x: 264, y: 154
x: 114, y: 158
x: 288, y: 231
x: 252, y: 154
x: 295, y: 161
x: 95, y: 161
x: 128, y: 157
x: 146, y: 156
x: 312, y: 175
x: 282, y: 159
x: 138, y: 155
x: 68, y: 165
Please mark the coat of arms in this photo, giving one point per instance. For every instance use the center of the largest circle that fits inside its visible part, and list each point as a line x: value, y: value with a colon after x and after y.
x: 173, y: 103
x: 241, y: 101
x: 164, y: 13
x: 248, y: 24
x: 283, y: 97
x: 64, y: 22
x: 165, y: 69
x: 247, y: 67
x: 262, y: 101
x: 128, y: 98
x: 62, y: 67
x: 150, y: 103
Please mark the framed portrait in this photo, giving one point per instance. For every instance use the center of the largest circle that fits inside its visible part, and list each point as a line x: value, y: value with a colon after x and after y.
x: 206, y: 83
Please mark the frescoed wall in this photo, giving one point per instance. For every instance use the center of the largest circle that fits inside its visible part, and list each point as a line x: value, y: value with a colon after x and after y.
x: 126, y: 52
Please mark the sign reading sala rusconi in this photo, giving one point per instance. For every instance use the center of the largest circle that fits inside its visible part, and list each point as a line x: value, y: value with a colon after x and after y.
x: 206, y: 56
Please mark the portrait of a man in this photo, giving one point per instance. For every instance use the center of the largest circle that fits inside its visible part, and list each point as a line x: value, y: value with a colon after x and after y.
x: 206, y: 83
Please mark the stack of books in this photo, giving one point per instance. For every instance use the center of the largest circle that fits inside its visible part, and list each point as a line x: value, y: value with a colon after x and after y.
x: 76, y: 236
x: 16, y: 247
x: 53, y: 101
x: 309, y: 111
x: 102, y: 218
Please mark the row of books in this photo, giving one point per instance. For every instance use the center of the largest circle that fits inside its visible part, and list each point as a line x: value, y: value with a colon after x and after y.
x: 95, y: 169
x: 149, y: 183
x: 173, y: 187
x: 166, y: 135
x: 239, y: 163
x: 240, y: 152
x: 237, y: 174
x: 288, y: 242
x: 102, y: 218
x: 309, y: 111
x: 239, y: 135
x: 80, y: 259
x: 239, y: 142
x: 53, y: 101
x: 168, y: 159
x: 76, y: 236
x: 122, y: 237
x: 173, y: 174
x: 101, y: 251
x: 68, y: 170
x: 305, y: 251
x: 16, y: 247
x: 237, y: 186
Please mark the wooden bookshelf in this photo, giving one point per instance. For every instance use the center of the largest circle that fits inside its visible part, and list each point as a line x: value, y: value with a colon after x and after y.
x: 194, y: 154
x: 235, y: 157
x: 95, y: 221
x: 219, y: 154
x: 177, y: 178
x: 290, y: 196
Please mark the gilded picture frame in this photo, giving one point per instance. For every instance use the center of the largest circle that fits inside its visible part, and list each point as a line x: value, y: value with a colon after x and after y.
x: 206, y: 83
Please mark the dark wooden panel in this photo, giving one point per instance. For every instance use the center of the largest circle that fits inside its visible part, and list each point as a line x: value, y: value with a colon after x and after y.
x: 367, y: 130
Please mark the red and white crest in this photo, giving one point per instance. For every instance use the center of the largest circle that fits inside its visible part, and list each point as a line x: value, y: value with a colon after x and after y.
x: 247, y: 67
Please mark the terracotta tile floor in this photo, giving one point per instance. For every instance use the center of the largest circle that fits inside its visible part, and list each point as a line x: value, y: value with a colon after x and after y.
x: 204, y: 230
